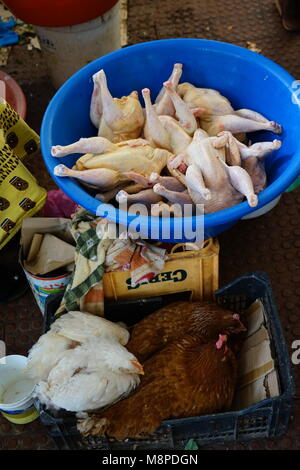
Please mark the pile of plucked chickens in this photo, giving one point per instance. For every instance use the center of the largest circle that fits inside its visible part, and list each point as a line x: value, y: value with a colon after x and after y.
x: 185, y: 354
x: 189, y: 147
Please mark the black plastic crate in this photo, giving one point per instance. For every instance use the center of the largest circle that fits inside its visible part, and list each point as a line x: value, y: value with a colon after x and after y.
x: 266, y: 419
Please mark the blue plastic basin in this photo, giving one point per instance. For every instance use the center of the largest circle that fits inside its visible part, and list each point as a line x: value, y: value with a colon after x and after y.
x: 248, y: 79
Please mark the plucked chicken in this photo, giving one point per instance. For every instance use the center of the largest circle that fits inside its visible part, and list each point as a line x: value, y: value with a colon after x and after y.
x: 122, y: 118
x: 207, y: 165
x: 210, y: 181
x: 217, y: 114
x: 107, y: 170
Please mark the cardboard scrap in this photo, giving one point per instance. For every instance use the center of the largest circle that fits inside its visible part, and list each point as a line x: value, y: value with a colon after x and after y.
x: 54, y: 225
x: 49, y: 254
x: 257, y: 376
x: 255, y: 317
x: 46, y: 245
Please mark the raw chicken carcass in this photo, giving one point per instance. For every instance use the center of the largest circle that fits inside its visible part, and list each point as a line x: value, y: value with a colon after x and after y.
x: 205, y: 319
x: 143, y: 159
x: 189, y: 377
x: 108, y: 170
x: 217, y: 114
x: 122, y: 118
x: 163, y: 131
x: 96, y: 373
x: 207, y: 179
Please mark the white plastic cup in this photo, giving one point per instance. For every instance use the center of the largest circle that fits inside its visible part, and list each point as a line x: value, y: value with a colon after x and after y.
x: 16, y: 390
x: 67, y: 49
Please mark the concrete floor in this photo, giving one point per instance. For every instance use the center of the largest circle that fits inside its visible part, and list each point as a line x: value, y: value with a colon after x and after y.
x: 270, y: 243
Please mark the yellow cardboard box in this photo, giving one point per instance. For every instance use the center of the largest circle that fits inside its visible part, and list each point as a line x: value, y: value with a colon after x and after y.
x: 191, y: 270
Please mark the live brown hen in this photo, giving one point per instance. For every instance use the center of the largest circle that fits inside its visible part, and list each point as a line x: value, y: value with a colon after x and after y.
x: 189, y: 377
x: 188, y: 370
x: 206, y: 319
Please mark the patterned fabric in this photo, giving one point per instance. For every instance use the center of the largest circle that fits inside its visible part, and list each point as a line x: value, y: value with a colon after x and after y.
x: 20, y: 195
x: 18, y: 135
x: 143, y: 260
x: 89, y: 260
x: 97, y: 252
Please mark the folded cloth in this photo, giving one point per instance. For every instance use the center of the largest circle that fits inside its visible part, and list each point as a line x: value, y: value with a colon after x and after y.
x: 89, y: 265
x: 97, y: 252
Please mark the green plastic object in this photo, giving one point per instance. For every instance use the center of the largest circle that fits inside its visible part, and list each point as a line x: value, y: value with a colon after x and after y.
x: 191, y: 445
x: 294, y: 185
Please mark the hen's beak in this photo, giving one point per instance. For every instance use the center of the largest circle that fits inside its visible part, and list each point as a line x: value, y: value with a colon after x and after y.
x: 138, y: 366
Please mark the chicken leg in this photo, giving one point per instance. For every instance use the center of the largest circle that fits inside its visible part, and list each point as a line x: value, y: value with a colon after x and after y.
x: 195, y: 184
x: 162, y: 209
x: 237, y: 124
x: 184, y: 113
x: 154, y: 131
x: 96, y: 103
x: 249, y: 114
x: 252, y: 161
x: 168, y: 181
x: 163, y: 103
x: 242, y: 182
x: 96, y: 145
x: 259, y: 149
x: 146, y: 197
x: 226, y: 139
x: 175, y: 197
x: 102, y: 178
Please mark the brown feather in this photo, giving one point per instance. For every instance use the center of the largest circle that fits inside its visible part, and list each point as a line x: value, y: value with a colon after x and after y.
x: 155, y: 331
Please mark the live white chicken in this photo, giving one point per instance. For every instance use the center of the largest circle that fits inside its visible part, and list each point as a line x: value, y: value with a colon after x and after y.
x: 81, y: 363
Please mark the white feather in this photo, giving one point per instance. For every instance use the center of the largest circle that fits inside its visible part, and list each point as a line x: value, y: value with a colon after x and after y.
x: 45, y: 354
x: 93, y: 375
x: 80, y: 326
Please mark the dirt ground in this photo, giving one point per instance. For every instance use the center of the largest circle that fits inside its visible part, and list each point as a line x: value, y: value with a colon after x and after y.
x: 270, y: 243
